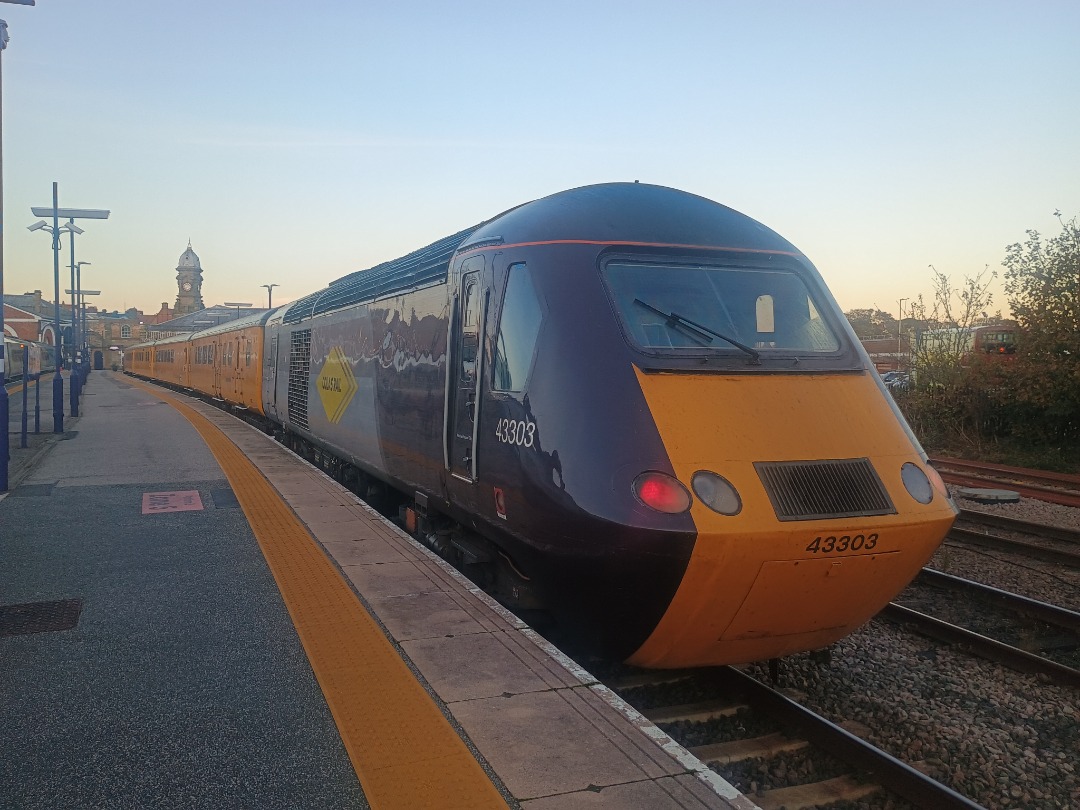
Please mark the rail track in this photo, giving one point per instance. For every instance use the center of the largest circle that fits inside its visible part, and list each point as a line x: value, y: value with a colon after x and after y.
x: 1023, y: 634
x: 782, y: 754
x: 735, y: 721
x: 1052, y: 544
x: 1060, y: 488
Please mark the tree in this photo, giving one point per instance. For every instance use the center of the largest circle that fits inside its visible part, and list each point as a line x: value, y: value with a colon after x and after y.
x: 948, y: 404
x: 955, y: 310
x: 871, y: 323
x: 1043, y: 287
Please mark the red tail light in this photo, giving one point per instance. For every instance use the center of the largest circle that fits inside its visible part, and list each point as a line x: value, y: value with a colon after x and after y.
x: 661, y: 492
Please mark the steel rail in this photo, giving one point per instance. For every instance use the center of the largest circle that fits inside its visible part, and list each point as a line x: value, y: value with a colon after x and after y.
x: 1052, y: 555
x: 1063, y: 480
x: 1059, y: 496
x: 980, y: 645
x: 1024, y: 526
x: 886, y: 770
x: 1043, y: 611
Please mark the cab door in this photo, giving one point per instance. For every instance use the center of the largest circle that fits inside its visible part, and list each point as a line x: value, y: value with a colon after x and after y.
x: 465, y: 370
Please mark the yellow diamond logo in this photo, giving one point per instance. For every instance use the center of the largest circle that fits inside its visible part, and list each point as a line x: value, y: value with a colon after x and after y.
x: 336, y: 384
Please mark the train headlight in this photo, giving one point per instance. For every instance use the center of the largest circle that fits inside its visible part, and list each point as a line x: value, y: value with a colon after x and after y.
x: 917, y: 483
x: 717, y: 493
x: 661, y: 492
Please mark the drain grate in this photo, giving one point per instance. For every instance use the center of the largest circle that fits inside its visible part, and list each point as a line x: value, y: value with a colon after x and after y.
x: 39, y: 617
x: 224, y: 498
x: 33, y: 491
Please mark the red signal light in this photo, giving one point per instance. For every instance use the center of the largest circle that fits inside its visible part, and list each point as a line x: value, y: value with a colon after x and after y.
x: 662, y: 493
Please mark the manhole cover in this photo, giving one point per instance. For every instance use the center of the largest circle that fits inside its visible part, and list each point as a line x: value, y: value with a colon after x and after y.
x: 39, y: 617
x: 989, y: 495
x: 224, y: 499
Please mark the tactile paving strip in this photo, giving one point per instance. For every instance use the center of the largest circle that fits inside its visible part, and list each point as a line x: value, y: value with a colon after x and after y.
x: 405, y: 752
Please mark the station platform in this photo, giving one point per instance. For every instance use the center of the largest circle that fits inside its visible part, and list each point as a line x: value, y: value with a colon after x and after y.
x: 192, y: 616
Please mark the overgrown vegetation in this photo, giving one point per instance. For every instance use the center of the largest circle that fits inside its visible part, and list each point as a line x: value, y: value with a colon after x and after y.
x: 1043, y: 285
x: 1021, y: 408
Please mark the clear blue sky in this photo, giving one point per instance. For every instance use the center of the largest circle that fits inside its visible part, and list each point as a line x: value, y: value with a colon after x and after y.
x: 296, y: 142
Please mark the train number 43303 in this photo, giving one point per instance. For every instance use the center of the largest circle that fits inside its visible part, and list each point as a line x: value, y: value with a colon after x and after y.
x: 838, y: 544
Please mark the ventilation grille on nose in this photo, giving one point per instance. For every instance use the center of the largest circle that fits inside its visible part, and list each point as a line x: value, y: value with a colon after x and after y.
x: 815, y: 490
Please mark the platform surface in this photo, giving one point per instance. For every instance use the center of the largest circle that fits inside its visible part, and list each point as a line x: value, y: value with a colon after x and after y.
x: 209, y: 664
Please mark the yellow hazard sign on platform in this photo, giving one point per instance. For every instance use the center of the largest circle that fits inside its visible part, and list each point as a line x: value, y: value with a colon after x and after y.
x: 337, y: 385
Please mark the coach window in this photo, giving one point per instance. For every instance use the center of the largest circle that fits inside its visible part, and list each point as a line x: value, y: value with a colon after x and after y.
x: 519, y: 327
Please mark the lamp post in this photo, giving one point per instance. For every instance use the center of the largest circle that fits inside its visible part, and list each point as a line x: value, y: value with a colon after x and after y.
x: 56, y: 229
x: 75, y: 385
x: 84, y: 346
x: 237, y: 305
x: 269, y: 294
x: 84, y: 368
x: 58, y: 380
x: 5, y: 413
x: 900, y: 334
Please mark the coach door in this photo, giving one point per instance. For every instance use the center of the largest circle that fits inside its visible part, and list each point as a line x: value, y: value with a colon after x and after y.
x: 218, y: 359
x: 465, y: 370
x: 270, y: 393
x: 238, y: 386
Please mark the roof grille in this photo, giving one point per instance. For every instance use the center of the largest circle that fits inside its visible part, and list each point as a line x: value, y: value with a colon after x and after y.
x: 424, y: 266
x: 816, y: 490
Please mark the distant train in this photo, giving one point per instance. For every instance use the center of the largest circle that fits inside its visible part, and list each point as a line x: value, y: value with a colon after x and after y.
x: 625, y: 405
x: 997, y: 339
x: 42, y: 357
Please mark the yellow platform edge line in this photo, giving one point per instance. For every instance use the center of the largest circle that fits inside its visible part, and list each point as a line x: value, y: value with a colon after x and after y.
x: 405, y: 752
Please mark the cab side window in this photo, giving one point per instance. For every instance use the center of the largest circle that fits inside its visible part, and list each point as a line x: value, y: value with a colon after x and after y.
x: 519, y: 328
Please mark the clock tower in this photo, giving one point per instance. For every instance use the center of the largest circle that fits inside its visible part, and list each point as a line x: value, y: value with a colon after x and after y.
x: 189, y: 283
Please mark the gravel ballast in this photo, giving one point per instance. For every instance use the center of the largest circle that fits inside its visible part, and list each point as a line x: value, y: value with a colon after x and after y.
x: 1002, y: 738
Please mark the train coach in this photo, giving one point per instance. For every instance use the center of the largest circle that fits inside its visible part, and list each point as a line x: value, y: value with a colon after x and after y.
x: 42, y: 357
x: 624, y: 405
x: 222, y: 362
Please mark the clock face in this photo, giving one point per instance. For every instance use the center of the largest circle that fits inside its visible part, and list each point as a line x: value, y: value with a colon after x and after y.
x: 187, y: 286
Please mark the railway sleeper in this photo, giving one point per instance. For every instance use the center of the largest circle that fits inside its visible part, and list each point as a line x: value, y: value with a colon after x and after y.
x: 816, y: 794
x: 769, y: 745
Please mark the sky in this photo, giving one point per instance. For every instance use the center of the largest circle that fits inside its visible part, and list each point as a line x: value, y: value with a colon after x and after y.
x: 293, y: 143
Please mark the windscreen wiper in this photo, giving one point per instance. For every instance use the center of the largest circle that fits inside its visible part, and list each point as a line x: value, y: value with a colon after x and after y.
x: 698, y: 331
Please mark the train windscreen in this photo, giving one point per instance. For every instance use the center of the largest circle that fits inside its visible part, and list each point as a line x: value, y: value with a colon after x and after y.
x: 683, y: 308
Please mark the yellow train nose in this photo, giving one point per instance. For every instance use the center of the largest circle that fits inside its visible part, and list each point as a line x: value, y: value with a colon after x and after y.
x: 776, y: 569
x: 746, y: 597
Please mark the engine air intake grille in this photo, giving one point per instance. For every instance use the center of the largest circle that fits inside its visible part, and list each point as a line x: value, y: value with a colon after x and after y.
x: 816, y: 490
x: 299, y: 367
